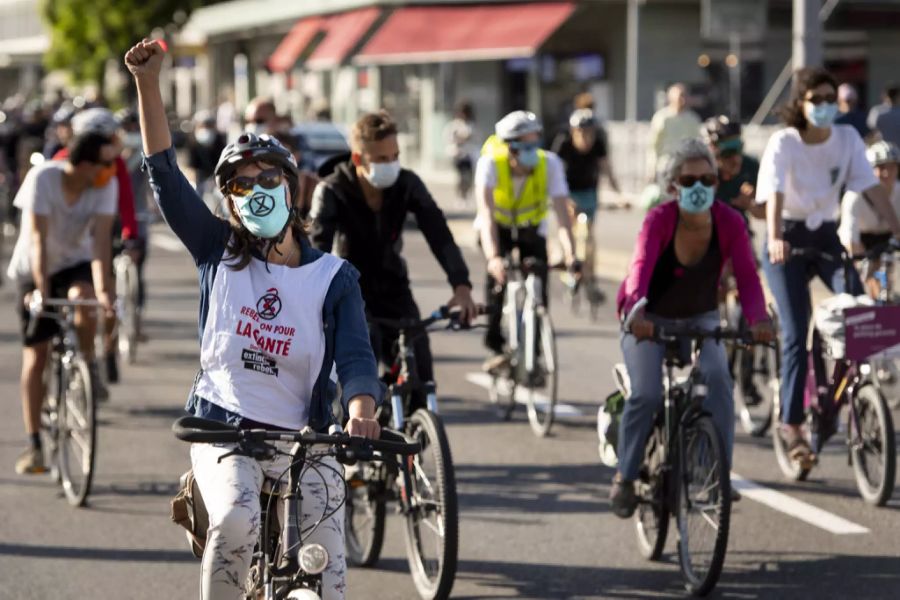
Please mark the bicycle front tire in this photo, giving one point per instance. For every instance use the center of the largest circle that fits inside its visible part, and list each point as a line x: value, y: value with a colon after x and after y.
x: 707, y: 516
x: 434, y: 493
x: 77, y: 432
x: 541, y: 413
x: 364, y: 539
x: 876, y: 444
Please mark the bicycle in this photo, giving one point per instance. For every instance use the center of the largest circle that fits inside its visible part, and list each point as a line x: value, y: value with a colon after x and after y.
x: 685, y: 470
x: 283, y: 565
x: 870, y: 427
x: 69, y: 413
x: 128, y: 309
x: 755, y: 369
x: 530, y: 346
x: 576, y: 286
x: 430, y: 505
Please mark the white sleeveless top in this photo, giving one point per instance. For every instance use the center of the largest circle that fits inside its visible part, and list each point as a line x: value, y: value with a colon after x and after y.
x: 264, y: 340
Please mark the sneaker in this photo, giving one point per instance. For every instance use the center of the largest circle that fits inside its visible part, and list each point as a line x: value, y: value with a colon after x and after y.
x: 112, y: 367
x: 99, y: 389
x: 622, y: 497
x: 798, y: 448
x: 31, y: 461
x: 495, y: 363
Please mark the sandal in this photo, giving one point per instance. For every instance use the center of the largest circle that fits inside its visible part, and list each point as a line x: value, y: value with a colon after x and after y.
x: 798, y: 448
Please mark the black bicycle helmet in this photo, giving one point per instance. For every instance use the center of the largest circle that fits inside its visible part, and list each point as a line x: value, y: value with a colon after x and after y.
x: 720, y: 128
x: 250, y: 147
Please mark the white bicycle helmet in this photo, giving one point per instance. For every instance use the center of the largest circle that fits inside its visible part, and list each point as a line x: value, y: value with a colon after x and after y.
x: 582, y: 118
x: 516, y: 124
x: 881, y: 153
x: 95, y: 120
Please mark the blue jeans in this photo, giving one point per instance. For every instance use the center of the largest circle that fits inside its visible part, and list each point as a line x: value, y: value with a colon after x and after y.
x: 644, y: 361
x: 789, y: 283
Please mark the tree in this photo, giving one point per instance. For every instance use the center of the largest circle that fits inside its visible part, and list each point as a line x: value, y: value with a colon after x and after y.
x: 85, y: 34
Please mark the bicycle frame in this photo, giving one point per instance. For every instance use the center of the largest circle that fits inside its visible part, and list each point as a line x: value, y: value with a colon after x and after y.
x: 407, y: 382
x: 523, y: 299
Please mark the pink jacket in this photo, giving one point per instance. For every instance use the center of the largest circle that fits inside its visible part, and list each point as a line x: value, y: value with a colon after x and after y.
x: 734, y: 243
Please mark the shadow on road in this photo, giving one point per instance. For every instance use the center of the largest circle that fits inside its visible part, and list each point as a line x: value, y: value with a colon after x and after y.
x: 748, y: 577
x: 115, y: 554
x: 538, y: 489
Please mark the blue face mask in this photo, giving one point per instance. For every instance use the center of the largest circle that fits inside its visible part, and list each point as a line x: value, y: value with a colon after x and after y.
x: 263, y: 212
x: 822, y: 114
x: 526, y: 153
x: 697, y: 198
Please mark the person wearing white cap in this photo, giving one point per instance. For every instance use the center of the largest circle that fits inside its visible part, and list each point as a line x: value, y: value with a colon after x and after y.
x: 516, y: 185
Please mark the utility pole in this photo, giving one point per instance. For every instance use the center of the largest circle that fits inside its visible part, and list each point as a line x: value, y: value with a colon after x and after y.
x: 631, y: 60
x: 808, y: 48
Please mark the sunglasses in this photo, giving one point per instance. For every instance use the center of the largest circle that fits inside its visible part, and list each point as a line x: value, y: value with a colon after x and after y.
x: 243, y: 186
x: 709, y: 180
x: 819, y: 99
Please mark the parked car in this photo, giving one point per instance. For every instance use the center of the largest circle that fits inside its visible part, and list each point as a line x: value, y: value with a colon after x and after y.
x: 320, y: 142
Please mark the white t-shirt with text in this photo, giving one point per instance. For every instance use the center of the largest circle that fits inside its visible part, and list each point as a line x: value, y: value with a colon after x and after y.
x: 69, y: 240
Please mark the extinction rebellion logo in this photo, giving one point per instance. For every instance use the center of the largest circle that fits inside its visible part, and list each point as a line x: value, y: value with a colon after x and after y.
x: 697, y: 198
x: 269, y: 305
x: 261, y: 204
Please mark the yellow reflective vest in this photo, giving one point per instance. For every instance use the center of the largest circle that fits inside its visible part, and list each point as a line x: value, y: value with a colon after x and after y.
x: 529, y: 208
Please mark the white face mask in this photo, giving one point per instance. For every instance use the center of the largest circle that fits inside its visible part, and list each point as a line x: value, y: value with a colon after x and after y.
x: 383, y: 175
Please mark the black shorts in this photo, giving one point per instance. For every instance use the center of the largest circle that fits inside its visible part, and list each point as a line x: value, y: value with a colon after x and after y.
x: 59, y: 288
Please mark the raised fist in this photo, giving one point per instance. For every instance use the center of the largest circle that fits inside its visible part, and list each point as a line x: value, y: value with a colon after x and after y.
x: 145, y: 58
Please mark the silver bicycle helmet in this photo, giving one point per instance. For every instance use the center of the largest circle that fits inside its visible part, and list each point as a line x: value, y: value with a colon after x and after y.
x: 95, y: 120
x: 881, y: 153
x: 516, y: 124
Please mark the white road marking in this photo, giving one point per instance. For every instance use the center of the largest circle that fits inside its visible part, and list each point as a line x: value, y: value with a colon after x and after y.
x: 795, y: 508
x: 166, y: 241
x: 562, y: 409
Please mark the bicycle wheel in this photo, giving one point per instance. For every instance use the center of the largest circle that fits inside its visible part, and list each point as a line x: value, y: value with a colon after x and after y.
x: 873, y: 454
x: 77, y: 432
x: 756, y: 386
x: 365, y: 513
x: 432, y: 520
x: 127, y: 291
x: 541, y: 411
x: 651, y: 519
x: 703, y: 505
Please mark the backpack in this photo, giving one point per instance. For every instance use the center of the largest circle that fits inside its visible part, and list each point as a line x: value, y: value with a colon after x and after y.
x: 189, y: 512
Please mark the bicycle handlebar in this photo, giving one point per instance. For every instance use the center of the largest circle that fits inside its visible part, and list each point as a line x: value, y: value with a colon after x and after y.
x: 675, y: 334
x: 206, y: 431
x: 443, y: 313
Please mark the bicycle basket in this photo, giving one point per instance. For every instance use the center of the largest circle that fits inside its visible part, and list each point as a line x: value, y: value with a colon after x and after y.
x: 829, y: 320
x: 189, y: 512
x: 608, y: 418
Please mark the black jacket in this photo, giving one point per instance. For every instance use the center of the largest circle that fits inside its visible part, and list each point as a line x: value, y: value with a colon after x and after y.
x: 372, y: 241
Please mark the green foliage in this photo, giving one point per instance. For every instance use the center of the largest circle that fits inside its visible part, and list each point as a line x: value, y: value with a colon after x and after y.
x: 84, y: 34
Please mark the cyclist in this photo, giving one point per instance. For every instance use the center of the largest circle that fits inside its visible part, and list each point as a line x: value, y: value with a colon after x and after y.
x: 861, y: 227
x: 125, y: 231
x: 803, y: 169
x: 276, y: 316
x: 737, y: 171
x: 63, y: 251
x: 462, y: 145
x: 670, y: 125
x: 515, y: 184
x: 583, y: 151
x: 681, y: 250
x: 361, y: 208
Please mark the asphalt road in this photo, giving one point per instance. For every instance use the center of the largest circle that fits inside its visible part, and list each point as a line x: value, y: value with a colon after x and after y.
x: 535, y: 520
